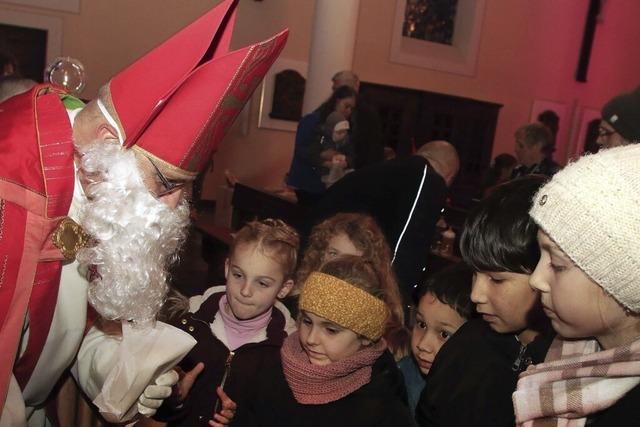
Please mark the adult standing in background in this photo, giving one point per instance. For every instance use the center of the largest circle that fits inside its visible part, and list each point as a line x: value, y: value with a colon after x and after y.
x: 405, y: 196
x: 534, y: 143
x: 305, y: 172
x: 620, y: 123
x: 13, y: 85
x: 366, y: 132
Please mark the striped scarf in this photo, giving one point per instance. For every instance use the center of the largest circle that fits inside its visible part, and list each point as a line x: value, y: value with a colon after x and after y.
x: 576, y: 380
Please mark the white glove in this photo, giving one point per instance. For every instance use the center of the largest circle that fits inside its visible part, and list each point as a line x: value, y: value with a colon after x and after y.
x: 154, y: 394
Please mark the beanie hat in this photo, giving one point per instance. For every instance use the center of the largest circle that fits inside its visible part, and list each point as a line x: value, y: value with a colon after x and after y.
x: 623, y: 114
x: 590, y: 210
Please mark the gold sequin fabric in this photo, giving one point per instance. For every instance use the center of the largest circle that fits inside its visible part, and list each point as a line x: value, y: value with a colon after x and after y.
x: 344, y: 304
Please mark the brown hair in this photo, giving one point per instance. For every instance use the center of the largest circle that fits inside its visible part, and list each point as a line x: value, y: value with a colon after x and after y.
x: 534, y: 133
x: 365, y: 274
x: 366, y: 236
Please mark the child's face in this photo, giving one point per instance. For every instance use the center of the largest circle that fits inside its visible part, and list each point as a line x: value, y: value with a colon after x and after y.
x: 325, y: 342
x: 435, y: 323
x: 504, y: 299
x: 254, y: 281
x: 339, y: 245
x: 575, y: 304
x: 340, y: 131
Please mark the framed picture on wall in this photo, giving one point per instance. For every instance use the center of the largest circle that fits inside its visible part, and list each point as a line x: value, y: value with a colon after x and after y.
x: 557, y: 116
x: 34, y: 40
x: 282, y: 95
x: 442, y: 35
x: 61, y: 5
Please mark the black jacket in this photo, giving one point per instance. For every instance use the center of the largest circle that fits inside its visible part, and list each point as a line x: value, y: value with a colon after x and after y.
x: 546, y: 167
x: 248, y: 363
x: 473, y: 377
x: 380, y: 403
x: 387, y: 191
x: 366, y: 135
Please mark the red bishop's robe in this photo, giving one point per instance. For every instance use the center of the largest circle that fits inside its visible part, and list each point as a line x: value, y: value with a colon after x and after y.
x: 36, y: 189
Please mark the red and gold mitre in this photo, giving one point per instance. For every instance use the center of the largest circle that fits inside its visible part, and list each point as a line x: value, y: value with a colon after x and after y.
x: 177, y: 102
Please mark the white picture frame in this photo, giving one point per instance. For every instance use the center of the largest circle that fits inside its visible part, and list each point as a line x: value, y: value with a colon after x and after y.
x: 266, y: 94
x: 51, y: 24
x: 564, y: 125
x: 60, y: 5
x: 459, y: 58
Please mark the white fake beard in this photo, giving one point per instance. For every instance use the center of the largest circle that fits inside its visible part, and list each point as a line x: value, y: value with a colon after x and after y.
x: 138, y: 237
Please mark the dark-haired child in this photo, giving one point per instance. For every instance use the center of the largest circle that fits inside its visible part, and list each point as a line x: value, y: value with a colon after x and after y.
x: 442, y: 306
x: 471, y: 381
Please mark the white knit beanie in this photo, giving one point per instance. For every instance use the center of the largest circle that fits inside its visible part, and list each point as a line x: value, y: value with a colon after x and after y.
x: 591, y: 209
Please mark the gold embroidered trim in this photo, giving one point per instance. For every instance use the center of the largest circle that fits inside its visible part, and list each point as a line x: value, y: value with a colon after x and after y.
x: 2, y: 218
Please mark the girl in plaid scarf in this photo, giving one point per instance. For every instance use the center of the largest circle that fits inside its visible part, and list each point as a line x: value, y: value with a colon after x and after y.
x: 589, y: 279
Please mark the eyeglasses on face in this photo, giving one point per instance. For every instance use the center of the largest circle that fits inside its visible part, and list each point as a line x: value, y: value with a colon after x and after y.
x: 604, y: 132
x: 169, y: 186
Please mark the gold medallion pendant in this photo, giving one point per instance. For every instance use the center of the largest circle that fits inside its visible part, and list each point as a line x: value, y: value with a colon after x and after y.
x: 69, y: 237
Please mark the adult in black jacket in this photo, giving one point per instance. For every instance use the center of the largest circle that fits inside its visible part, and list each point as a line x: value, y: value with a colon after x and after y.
x: 405, y: 196
x: 534, y: 149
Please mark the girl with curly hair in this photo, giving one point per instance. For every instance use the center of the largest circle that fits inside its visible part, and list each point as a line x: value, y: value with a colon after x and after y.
x: 358, y: 234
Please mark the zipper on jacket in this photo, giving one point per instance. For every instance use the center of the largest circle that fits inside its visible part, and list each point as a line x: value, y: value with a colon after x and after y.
x: 227, y: 369
x: 518, y: 362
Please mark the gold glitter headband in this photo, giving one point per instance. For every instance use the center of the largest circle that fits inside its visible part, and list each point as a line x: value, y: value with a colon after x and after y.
x: 344, y: 304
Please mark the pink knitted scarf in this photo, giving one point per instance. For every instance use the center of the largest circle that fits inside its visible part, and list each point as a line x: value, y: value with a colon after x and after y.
x: 317, y: 385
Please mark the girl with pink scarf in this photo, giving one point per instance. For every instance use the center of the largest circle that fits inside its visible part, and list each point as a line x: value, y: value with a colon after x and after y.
x: 336, y: 370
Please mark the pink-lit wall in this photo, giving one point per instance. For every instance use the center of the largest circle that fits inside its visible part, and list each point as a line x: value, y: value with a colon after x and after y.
x: 528, y: 51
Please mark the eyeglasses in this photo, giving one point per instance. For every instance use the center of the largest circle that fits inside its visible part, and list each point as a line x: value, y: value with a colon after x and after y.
x: 605, y: 133
x: 169, y: 187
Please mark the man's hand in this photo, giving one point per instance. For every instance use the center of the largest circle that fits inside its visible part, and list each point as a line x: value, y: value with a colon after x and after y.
x: 152, y: 397
x: 224, y: 417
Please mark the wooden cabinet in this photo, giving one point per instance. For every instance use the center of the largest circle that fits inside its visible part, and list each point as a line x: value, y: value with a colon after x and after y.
x: 412, y: 117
